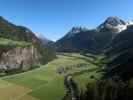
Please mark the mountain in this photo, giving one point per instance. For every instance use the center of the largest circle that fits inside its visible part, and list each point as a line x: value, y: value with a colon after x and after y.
x: 89, y: 41
x: 21, y: 33
x: 118, y: 73
x: 113, y: 24
x: 80, y: 39
x: 84, y: 40
x: 120, y: 55
x: 11, y: 31
x: 21, y: 49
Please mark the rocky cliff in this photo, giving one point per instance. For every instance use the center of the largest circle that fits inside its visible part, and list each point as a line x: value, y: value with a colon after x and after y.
x: 19, y: 58
x: 20, y: 48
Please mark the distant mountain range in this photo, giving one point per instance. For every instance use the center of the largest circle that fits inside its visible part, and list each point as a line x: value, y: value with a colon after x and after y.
x: 80, y: 39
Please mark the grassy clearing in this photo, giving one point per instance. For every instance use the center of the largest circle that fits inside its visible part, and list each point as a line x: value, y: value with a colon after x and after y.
x: 45, y: 83
x: 9, y: 42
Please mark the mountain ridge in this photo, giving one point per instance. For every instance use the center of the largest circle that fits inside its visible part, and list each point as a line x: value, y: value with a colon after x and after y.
x: 94, y: 40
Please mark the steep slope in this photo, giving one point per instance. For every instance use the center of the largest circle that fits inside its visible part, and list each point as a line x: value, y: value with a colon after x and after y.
x: 20, y: 49
x: 91, y: 41
x: 19, y: 33
x: 116, y: 83
x: 74, y: 41
x: 120, y: 55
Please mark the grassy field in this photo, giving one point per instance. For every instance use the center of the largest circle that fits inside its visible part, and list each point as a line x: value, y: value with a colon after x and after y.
x: 9, y: 42
x: 45, y: 83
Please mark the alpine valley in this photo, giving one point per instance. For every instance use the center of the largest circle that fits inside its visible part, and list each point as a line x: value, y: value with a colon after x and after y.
x: 85, y: 64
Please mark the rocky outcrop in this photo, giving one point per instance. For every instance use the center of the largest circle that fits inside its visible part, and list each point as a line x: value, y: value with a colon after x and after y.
x: 19, y: 58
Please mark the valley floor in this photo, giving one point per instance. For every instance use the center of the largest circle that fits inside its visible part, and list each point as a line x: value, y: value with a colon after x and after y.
x: 47, y: 82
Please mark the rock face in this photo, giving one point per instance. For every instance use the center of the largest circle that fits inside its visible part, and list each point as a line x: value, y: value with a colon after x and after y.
x: 19, y: 58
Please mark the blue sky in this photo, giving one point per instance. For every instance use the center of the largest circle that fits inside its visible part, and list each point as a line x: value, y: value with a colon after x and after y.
x: 53, y: 18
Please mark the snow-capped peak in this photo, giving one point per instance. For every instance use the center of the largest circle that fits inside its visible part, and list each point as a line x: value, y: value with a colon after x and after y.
x: 114, y: 24
x: 114, y: 21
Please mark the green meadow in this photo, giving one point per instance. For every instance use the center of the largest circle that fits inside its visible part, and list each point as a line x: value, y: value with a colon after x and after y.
x: 46, y: 83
